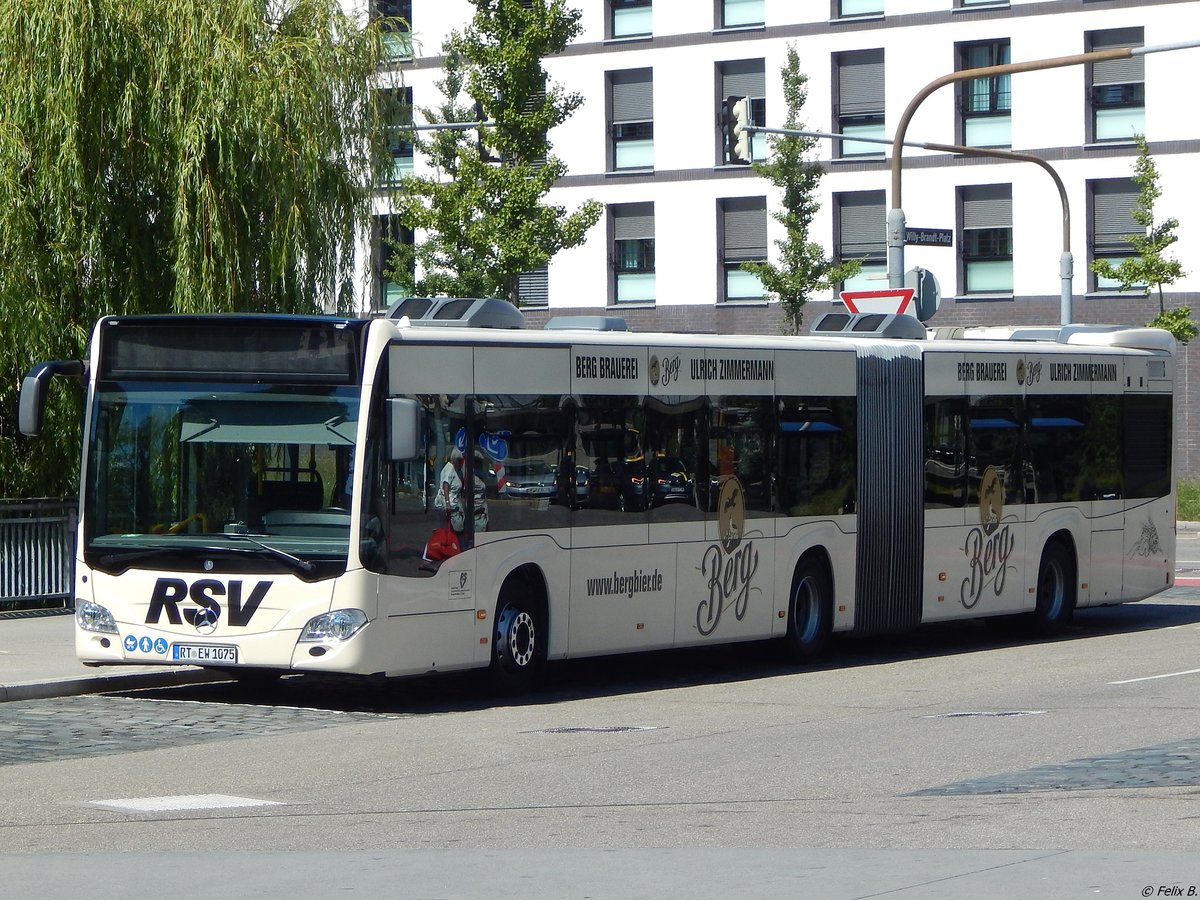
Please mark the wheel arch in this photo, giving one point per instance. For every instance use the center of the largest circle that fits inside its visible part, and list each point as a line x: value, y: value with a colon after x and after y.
x: 531, y: 581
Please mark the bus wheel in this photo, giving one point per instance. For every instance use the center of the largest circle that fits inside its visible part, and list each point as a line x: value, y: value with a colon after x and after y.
x: 1055, y: 590
x: 809, y: 611
x: 518, y: 644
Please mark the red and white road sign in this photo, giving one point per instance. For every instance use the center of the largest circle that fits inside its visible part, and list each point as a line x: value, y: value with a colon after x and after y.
x: 891, y: 300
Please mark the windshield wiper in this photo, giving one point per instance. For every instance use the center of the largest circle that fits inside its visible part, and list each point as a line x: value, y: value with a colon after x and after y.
x: 121, y: 559
x: 124, y: 559
x: 296, y: 562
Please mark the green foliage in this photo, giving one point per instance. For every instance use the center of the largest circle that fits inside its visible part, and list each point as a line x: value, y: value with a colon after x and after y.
x: 484, y: 223
x: 803, y: 267
x: 1188, y: 500
x: 1149, y: 267
x: 1177, y: 321
x: 165, y: 156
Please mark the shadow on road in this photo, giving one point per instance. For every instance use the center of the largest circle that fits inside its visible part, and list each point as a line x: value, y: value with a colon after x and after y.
x: 640, y: 672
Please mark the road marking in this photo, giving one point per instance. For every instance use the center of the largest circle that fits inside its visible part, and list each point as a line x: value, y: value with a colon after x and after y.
x: 1154, y: 677
x: 187, y: 802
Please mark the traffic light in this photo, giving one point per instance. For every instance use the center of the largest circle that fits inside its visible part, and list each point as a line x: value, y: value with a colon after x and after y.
x: 485, y: 152
x: 738, y: 116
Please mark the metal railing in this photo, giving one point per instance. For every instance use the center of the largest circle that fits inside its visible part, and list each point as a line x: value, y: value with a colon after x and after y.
x: 37, y: 552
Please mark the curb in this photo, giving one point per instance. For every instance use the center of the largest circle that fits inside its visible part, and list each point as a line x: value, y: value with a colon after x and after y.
x: 102, y: 684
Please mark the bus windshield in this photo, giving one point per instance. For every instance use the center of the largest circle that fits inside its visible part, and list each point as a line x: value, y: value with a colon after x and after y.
x: 179, y: 468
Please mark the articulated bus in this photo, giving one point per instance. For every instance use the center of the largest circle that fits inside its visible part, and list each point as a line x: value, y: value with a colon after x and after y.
x: 266, y: 494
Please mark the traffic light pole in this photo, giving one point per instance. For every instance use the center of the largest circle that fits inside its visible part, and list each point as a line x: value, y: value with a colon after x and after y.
x: 895, y: 219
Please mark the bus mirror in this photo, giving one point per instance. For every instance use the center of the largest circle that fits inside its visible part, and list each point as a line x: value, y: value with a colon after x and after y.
x: 32, y: 407
x: 404, y: 429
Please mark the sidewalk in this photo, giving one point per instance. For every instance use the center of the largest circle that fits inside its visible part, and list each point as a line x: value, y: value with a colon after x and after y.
x: 37, y: 660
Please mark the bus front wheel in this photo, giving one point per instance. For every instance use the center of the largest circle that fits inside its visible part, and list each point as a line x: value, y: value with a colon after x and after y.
x: 810, y: 610
x: 1055, y: 590
x: 518, y: 644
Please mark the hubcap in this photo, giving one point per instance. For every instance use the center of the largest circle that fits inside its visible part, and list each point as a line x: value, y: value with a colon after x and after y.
x: 517, y: 636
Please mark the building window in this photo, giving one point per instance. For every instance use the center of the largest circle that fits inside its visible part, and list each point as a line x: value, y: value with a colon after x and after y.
x: 632, y: 124
x: 861, y: 233
x: 986, y: 239
x: 735, y: 13
x: 746, y: 78
x: 963, y: 4
x: 1112, y: 203
x: 633, y: 252
x: 389, y: 240
x: 859, y: 95
x: 398, y: 111
x: 743, y: 232
x: 533, y: 287
x: 985, y: 104
x: 397, y: 40
x: 1117, y: 88
x: 845, y: 9
x: 630, y: 18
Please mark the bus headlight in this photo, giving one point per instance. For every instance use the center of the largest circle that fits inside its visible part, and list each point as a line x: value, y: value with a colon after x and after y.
x: 93, y: 617
x: 339, y: 625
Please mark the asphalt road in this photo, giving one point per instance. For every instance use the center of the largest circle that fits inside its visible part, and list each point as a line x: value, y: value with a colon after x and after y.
x: 957, y: 761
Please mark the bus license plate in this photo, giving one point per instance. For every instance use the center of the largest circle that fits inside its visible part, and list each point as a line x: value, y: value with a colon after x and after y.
x: 203, y: 653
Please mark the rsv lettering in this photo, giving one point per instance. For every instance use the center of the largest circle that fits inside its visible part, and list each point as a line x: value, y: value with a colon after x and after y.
x: 170, y: 592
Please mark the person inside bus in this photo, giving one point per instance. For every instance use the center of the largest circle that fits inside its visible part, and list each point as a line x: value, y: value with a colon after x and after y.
x: 449, y: 495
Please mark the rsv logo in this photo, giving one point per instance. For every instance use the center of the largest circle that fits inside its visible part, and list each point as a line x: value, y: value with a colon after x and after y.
x: 170, y: 592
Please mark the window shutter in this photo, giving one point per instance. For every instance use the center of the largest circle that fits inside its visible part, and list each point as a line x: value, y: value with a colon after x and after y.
x: 987, y: 206
x: 863, y: 221
x: 744, y: 78
x: 1118, y: 71
x: 633, y: 221
x: 534, y: 287
x: 632, y: 96
x: 745, y: 228
x: 860, y: 83
x: 1112, y: 204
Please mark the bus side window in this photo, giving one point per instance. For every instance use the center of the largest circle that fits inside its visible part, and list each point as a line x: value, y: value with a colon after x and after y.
x: 994, y: 442
x: 945, y: 464
x: 522, y: 453
x: 817, y: 455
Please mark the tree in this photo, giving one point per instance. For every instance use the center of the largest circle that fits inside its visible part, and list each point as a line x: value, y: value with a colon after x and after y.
x: 1150, y: 267
x: 172, y: 156
x: 483, y: 223
x: 803, y: 267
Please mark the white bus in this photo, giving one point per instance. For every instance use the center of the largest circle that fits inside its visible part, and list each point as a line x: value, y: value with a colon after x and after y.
x: 261, y: 494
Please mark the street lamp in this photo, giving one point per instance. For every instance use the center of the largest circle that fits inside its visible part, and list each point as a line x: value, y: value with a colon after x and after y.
x: 895, y: 218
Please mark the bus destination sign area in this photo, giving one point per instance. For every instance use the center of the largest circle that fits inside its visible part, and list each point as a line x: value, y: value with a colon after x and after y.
x: 929, y: 237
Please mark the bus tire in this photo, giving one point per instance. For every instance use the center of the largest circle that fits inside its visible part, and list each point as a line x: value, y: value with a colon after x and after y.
x: 810, y: 610
x: 518, y: 642
x: 1055, y: 590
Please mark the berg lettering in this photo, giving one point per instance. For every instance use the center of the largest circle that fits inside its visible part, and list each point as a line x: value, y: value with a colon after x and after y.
x: 170, y: 592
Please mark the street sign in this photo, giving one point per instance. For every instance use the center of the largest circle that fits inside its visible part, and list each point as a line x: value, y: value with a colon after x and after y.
x: 889, y: 300
x: 929, y: 237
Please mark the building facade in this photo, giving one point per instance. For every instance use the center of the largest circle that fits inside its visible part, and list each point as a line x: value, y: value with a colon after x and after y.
x: 649, y: 143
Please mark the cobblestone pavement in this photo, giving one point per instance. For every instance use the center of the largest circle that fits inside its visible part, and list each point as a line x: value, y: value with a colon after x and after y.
x: 1167, y: 765
x: 71, y: 727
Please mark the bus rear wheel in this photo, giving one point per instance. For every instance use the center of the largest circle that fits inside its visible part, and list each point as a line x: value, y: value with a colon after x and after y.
x: 1055, y: 590
x: 518, y: 644
x: 810, y: 611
